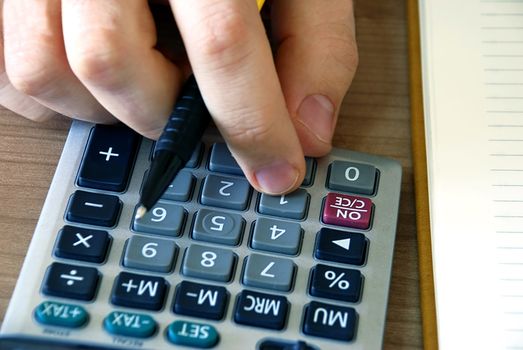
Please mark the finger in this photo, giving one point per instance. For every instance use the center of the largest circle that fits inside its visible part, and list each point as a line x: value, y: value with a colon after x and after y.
x: 316, y: 60
x: 36, y: 64
x: 110, y: 46
x: 232, y: 62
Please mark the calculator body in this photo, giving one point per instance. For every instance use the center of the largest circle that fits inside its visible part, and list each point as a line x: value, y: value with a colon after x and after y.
x: 369, y: 309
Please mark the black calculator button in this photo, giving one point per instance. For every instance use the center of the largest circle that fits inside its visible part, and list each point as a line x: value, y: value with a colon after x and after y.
x: 340, y: 246
x: 82, y: 244
x: 272, y: 344
x: 139, y: 291
x: 329, y: 321
x: 261, y: 310
x: 200, y: 300
x: 109, y: 158
x: 70, y: 281
x: 335, y: 283
x: 93, y: 209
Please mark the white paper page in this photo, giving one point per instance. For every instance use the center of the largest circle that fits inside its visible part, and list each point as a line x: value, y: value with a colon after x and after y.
x: 472, y: 62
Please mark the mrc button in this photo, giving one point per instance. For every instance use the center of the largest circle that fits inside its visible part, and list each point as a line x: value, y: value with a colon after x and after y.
x: 349, y: 211
x: 261, y: 310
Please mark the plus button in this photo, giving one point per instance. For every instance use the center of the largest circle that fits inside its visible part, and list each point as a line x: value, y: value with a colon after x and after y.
x: 109, y: 154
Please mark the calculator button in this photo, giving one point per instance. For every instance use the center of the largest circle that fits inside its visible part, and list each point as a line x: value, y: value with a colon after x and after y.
x: 336, y: 283
x: 276, y: 236
x: 329, y: 321
x: 195, y: 157
x: 139, y: 291
x: 226, y: 192
x: 221, y: 160
x: 340, y: 246
x: 165, y: 218
x: 293, y: 205
x: 261, y: 310
x: 195, y: 335
x: 109, y: 158
x: 310, y: 164
x: 218, y: 227
x: 130, y: 324
x: 208, y: 263
x: 82, y: 244
x: 268, y: 272
x: 52, y: 313
x: 272, y: 344
x: 181, y: 188
x: 70, y: 281
x: 352, y: 177
x: 151, y: 254
x: 93, y: 209
x: 349, y: 211
x: 200, y: 300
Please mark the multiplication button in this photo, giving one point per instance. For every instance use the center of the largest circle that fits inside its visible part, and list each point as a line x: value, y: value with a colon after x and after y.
x: 261, y: 310
x: 82, y: 244
x: 70, y: 281
x: 329, y: 321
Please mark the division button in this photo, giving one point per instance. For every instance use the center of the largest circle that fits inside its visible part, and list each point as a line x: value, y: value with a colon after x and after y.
x: 151, y: 254
x: 336, y: 283
x: 352, y: 177
x: 261, y: 310
x: 293, y: 205
x: 221, y: 160
x: 82, y: 244
x: 109, y: 158
x: 139, y: 291
x: 200, y: 300
x: 93, y: 209
x: 130, y: 324
x: 70, y: 281
x: 195, y: 335
x: 218, y: 227
x: 340, y: 246
x: 52, y: 313
x: 329, y: 321
x: 349, y: 211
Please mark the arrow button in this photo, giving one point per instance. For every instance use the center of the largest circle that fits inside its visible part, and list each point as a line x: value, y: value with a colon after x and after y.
x: 340, y: 246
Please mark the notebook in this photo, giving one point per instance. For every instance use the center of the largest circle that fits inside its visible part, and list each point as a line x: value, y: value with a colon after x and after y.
x: 472, y: 82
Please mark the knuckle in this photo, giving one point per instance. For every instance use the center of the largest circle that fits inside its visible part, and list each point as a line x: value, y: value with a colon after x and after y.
x: 249, y: 131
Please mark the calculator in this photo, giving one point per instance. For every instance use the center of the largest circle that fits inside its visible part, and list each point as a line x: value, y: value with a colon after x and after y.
x: 214, y: 264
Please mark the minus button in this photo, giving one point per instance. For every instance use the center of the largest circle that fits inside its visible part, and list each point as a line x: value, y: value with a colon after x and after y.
x: 93, y: 209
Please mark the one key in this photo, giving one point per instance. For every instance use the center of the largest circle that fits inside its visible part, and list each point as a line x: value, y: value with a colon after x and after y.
x: 93, y: 209
x: 349, y: 211
x: 329, y: 321
x: 139, y: 291
x: 261, y: 310
x: 221, y: 160
x: 208, y: 263
x: 165, y: 218
x: 70, y: 281
x: 52, y: 313
x: 226, y: 192
x: 268, y: 272
x: 151, y: 254
x: 130, y: 324
x: 200, y: 300
x: 293, y: 205
x: 276, y: 236
x: 82, y: 244
x: 109, y: 158
x: 336, y: 283
x: 352, y: 177
x: 218, y: 227
x: 340, y: 246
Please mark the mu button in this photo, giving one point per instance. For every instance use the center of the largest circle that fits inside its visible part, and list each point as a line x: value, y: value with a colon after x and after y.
x: 138, y: 291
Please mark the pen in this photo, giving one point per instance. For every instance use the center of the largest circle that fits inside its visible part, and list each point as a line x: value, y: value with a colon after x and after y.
x: 179, y: 138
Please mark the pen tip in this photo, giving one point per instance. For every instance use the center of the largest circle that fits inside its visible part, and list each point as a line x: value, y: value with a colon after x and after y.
x: 140, y: 212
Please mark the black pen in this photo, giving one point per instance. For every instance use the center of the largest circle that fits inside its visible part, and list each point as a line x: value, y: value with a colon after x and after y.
x: 174, y: 148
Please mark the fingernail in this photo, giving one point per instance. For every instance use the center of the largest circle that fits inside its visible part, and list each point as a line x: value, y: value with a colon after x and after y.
x: 316, y: 112
x: 277, y: 178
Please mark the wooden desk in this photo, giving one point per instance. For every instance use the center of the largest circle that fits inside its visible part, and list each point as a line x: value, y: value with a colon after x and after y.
x: 375, y: 118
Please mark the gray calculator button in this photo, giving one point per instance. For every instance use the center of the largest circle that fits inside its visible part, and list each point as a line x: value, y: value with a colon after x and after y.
x: 195, y: 157
x: 226, y: 192
x: 268, y: 272
x: 208, y: 263
x: 276, y: 236
x: 165, y: 218
x: 218, y: 227
x: 151, y: 254
x: 221, y: 160
x: 293, y: 205
x: 352, y: 177
x: 181, y: 187
x: 310, y: 164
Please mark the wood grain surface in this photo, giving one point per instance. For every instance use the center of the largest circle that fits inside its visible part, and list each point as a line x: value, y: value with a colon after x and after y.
x: 374, y: 118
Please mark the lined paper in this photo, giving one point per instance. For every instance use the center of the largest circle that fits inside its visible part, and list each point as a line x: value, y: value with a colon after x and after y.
x: 472, y: 63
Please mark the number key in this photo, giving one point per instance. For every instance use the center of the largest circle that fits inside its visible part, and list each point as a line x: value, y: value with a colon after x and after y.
x: 165, y: 218
x: 226, y: 192
x: 276, y: 236
x: 352, y: 177
x: 209, y: 263
x: 152, y: 254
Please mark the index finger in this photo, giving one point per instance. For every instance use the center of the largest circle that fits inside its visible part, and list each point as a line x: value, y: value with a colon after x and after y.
x: 232, y: 61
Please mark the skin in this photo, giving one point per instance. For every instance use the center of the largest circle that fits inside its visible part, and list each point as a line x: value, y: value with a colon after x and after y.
x: 102, y: 61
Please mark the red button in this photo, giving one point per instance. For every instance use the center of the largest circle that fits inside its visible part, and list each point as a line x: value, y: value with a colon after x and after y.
x: 349, y: 211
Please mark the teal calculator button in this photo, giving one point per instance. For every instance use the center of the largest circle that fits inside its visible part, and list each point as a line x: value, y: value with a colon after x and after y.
x: 130, y: 324
x: 59, y: 314
x: 198, y: 335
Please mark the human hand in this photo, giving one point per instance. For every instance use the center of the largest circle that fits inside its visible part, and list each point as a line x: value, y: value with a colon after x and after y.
x: 98, y: 60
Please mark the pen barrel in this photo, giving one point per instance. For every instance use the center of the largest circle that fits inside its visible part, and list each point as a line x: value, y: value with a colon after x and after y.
x: 186, y: 123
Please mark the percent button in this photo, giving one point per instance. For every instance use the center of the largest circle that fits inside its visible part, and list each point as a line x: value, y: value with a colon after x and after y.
x: 336, y: 283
